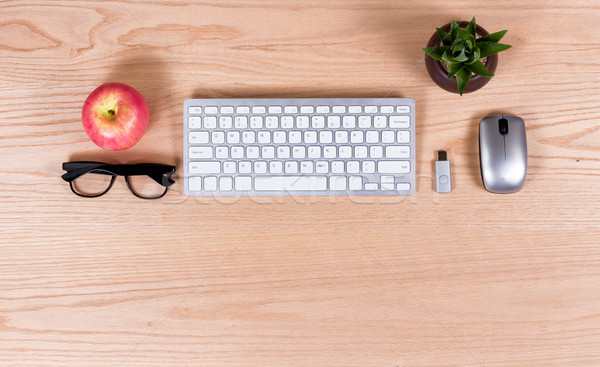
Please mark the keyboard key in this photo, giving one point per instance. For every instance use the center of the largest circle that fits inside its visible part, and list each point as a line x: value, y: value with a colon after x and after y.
x: 233, y: 137
x: 210, y: 122
x: 310, y: 137
x: 210, y: 183
x: 198, y: 137
x: 322, y: 167
x: 349, y: 122
x: 210, y: 110
x: 376, y: 151
x: 322, y: 109
x: 217, y: 137
x: 237, y: 152
x: 387, y: 109
x: 403, y: 109
x: 252, y: 152
x: 260, y: 167
x: 337, y: 183
x: 298, y: 152
x: 221, y: 152
x: 399, y: 122
x: 380, y: 122
x: 242, y: 109
x: 248, y: 137
x: 194, y: 111
x: 241, y: 122
x: 403, y: 137
x: 339, y: 109
x: 264, y: 137
x: 371, y: 186
x: 325, y: 137
x: 341, y: 137
x: 272, y: 122
x: 256, y: 122
x: 370, y: 109
x: 225, y: 183
x: 345, y: 151
x: 201, y: 152
x: 295, y: 137
x: 291, y: 167
x: 314, y: 152
x: 403, y: 186
x: 243, y: 183
x: 283, y: 152
x: 259, y: 109
x: 302, y: 122
x: 307, y: 109
x: 279, y: 137
x: 387, y: 137
x: 287, y: 122
x: 352, y: 167
x: 337, y: 167
x: 276, y: 167
x: 205, y: 167
x: 356, y: 137
x: 333, y: 122
x: 274, y: 109
x: 387, y: 182
x: 229, y: 167
x: 268, y: 152
x: 364, y: 122
x: 290, y: 183
x: 225, y: 122
x: 368, y: 167
x: 318, y: 122
x: 195, y: 183
x: 372, y: 137
x: 397, y: 151
x: 360, y: 152
x: 245, y: 167
x: 354, y: 109
x: 398, y: 167
x: 195, y: 122
x: 355, y: 183
x: 329, y: 151
x: 227, y: 109
x: 306, y: 167
x: 290, y: 109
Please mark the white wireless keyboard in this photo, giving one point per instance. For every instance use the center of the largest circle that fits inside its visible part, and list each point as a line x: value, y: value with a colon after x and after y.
x: 321, y: 146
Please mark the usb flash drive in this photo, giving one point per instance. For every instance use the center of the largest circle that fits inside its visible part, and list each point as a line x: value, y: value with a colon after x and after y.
x: 443, y: 182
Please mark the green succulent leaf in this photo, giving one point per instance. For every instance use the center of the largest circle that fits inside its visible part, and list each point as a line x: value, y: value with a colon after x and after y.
x: 454, y: 68
x: 494, y: 37
x: 444, y: 37
x: 461, y: 56
x: 435, y: 52
x: 471, y: 27
x: 463, y: 76
x: 479, y: 69
x: 447, y: 56
x: 474, y: 56
x: 490, y: 48
x: 454, y: 28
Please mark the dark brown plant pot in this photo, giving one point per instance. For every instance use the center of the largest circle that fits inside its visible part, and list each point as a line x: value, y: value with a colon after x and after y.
x: 440, y: 75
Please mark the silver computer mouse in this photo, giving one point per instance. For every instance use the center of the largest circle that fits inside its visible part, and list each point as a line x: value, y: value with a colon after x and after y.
x: 503, y: 153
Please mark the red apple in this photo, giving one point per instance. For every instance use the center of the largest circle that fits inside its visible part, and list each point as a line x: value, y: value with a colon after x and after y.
x: 115, y: 116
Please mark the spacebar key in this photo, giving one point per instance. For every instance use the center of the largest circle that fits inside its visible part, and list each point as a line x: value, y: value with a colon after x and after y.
x: 290, y: 183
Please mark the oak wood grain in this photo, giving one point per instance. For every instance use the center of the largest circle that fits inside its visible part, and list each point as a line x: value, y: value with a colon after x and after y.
x: 463, y: 279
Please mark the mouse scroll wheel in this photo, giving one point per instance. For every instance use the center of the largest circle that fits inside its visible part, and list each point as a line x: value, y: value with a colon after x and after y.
x: 503, y: 126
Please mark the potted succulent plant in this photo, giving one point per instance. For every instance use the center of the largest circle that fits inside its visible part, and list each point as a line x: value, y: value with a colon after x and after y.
x: 461, y: 57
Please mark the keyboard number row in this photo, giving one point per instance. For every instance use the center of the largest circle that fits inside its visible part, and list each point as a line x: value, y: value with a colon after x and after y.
x: 300, y: 122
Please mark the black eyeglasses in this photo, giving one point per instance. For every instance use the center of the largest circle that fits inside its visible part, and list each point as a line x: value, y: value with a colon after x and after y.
x: 93, y: 179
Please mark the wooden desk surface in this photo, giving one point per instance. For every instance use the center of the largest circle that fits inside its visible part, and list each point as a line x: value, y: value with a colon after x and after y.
x: 464, y: 279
